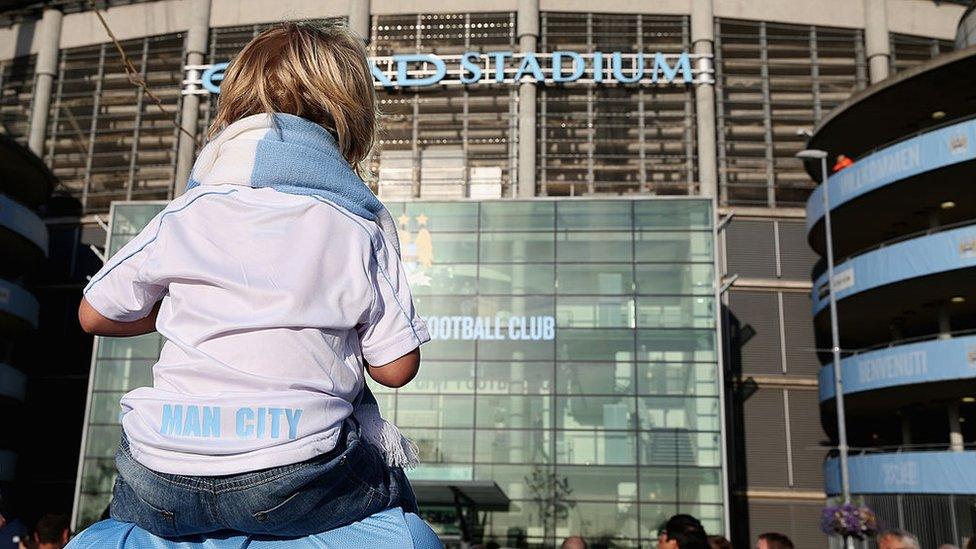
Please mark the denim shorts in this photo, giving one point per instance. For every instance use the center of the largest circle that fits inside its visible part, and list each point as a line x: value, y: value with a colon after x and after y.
x: 335, y: 489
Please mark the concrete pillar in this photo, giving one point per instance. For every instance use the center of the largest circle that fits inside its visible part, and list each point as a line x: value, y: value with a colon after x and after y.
x: 702, y: 43
x: 876, y: 43
x: 945, y: 322
x: 197, y: 37
x: 359, y: 18
x: 49, y: 34
x: 528, y: 37
x: 956, y: 443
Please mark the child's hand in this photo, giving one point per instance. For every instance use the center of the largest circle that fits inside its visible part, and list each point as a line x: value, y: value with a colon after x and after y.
x: 398, y: 373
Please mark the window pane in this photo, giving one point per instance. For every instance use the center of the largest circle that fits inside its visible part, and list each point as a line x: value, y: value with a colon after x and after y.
x: 145, y: 346
x: 517, y: 247
x: 595, y: 312
x: 442, y: 279
x: 131, y: 218
x: 595, y: 412
x: 676, y: 345
x: 675, y: 311
x: 677, y: 379
x: 105, y: 408
x: 441, y: 216
x: 517, y: 378
x: 592, y: 215
x: 593, y: 247
x: 601, y: 520
x: 518, y: 412
x: 439, y: 248
x: 595, y: 447
x: 517, y: 216
x: 504, y: 446
x: 595, y: 345
x: 673, y: 214
x: 442, y: 445
x: 692, y: 413
x: 600, y: 483
x: 595, y: 278
x: 681, y: 484
x: 122, y: 375
x: 103, y: 440
x: 680, y: 448
x: 98, y: 476
x: 660, y: 278
x: 664, y: 247
x: 514, y: 480
x: 442, y: 377
x: 495, y: 278
x: 434, y: 411
x: 606, y: 378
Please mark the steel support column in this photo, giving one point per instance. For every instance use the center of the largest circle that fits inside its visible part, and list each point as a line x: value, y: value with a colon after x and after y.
x: 876, y: 40
x: 49, y: 31
x: 702, y: 43
x: 528, y: 38
x: 194, y: 54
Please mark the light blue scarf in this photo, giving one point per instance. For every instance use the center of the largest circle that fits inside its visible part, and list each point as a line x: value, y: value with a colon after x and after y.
x: 293, y: 155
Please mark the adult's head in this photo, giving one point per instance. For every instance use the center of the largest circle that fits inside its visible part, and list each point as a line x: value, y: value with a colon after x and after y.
x: 52, y: 531
x: 682, y: 532
x: 574, y: 542
x: 318, y: 73
x: 774, y: 540
x: 897, y: 539
x: 719, y: 542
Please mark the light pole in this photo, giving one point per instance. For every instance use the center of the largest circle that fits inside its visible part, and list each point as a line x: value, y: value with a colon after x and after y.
x: 845, y: 479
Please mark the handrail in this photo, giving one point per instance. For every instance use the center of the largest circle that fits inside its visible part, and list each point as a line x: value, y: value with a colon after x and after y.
x: 912, y: 135
x: 906, y: 341
x: 904, y: 237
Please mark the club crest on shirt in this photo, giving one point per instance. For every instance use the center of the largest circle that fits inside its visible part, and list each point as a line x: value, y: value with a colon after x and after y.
x: 417, y: 249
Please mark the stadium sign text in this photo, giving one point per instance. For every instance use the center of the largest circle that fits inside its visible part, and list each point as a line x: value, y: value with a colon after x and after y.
x: 419, y: 70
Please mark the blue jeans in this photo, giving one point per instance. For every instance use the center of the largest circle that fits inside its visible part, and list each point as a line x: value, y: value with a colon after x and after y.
x: 335, y: 489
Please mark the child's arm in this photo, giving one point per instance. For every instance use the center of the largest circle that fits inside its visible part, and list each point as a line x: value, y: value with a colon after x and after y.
x: 94, y: 323
x: 398, y: 373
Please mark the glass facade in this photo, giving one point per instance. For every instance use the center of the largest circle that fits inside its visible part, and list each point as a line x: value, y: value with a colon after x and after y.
x: 574, y: 363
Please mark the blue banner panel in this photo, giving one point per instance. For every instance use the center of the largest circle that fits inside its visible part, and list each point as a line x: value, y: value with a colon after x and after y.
x: 13, y: 382
x: 906, y: 473
x: 924, y: 153
x: 18, y: 302
x: 23, y: 221
x: 926, y: 255
x: 928, y: 361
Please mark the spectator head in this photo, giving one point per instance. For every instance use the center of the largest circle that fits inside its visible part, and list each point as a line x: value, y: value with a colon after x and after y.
x: 682, y: 532
x: 897, y: 539
x: 574, y: 542
x: 52, y: 531
x: 719, y: 542
x: 773, y: 540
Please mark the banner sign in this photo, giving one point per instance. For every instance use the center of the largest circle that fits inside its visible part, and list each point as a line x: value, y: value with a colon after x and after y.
x: 924, y: 153
x: 925, y: 255
x: 421, y: 70
x: 906, y: 473
x: 927, y: 361
x: 24, y: 222
x: 18, y: 302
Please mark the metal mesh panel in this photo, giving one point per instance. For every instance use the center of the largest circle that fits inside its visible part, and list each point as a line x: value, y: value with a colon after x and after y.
x: 106, y: 139
x: 757, y: 314
x: 805, y: 437
x: 771, y: 81
x: 935, y: 519
x: 606, y: 139
x: 751, y: 249
x: 437, y: 143
x: 798, y: 520
x: 16, y: 87
x: 765, y: 430
x: 908, y: 51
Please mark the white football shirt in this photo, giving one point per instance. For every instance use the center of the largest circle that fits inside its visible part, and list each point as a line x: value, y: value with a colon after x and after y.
x: 270, y: 301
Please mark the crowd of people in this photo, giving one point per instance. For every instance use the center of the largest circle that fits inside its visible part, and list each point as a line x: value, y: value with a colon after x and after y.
x: 52, y: 531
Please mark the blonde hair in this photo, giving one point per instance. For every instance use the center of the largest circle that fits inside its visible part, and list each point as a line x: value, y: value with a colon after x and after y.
x: 318, y: 73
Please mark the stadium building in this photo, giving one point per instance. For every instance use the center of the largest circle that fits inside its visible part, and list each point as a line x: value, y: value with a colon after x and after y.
x: 904, y: 242
x: 603, y: 218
